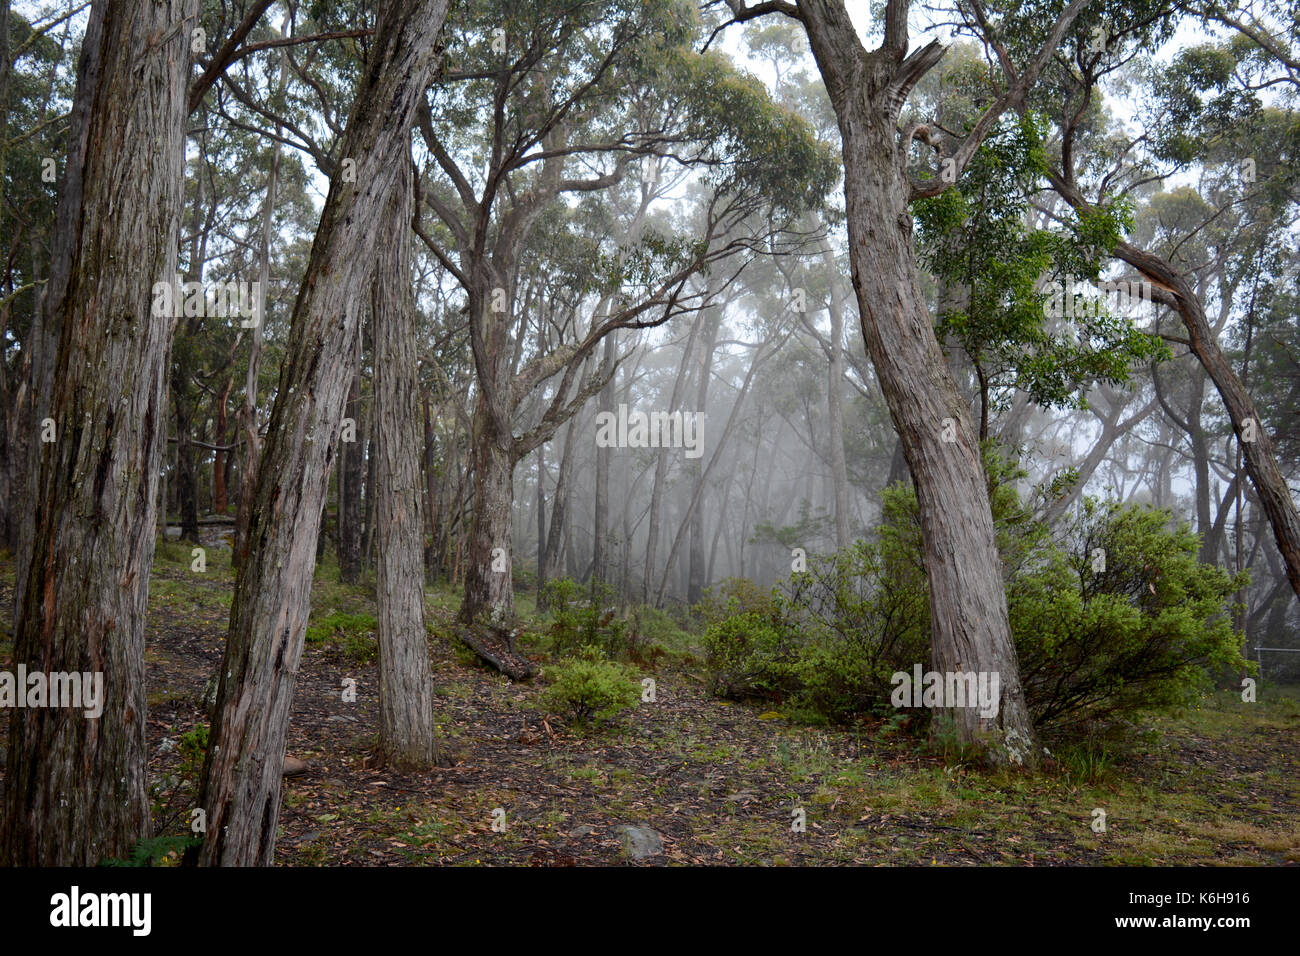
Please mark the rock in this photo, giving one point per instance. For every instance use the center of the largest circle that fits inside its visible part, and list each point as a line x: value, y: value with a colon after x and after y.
x: 307, y: 839
x: 582, y: 831
x: 293, y: 766
x: 641, y: 842
x: 172, y: 533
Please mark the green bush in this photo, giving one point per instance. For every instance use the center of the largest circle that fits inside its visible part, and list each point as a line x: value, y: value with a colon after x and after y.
x: 1143, y: 630
x: 589, y: 687
x: 581, y: 617
x: 734, y: 596
x: 749, y: 655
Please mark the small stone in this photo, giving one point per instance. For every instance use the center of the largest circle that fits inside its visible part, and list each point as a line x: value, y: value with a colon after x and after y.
x: 293, y: 766
x: 641, y: 842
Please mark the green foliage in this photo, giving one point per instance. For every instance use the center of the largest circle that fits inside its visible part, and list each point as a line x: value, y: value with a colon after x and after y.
x: 808, y: 526
x: 193, y: 748
x: 156, y: 851
x: 975, y: 241
x: 581, y: 618
x: 588, y: 687
x: 1094, y: 641
x: 734, y: 596
x: 173, y: 794
x: 353, y: 636
x: 1120, y: 616
x: 749, y: 655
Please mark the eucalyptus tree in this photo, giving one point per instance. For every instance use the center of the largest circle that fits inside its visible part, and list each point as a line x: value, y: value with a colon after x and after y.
x: 241, y: 777
x: 407, y: 734
x: 868, y: 90
x: 1209, y: 110
x: 75, y: 785
x: 558, y: 101
x: 1019, y: 333
x: 34, y: 59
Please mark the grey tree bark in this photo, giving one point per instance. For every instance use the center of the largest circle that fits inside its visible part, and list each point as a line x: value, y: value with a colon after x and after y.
x: 241, y: 777
x: 75, y: 786
x: 867, y: 89
x: 350, y: 484
x: 407, y: 737
x: 834, y: 405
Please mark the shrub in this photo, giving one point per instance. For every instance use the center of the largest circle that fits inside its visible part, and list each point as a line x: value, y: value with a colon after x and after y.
x: 749, y: 655
x: 734, y: 596
x: 588, y: 687
x: 1142, y: 630
x: 581, y: 617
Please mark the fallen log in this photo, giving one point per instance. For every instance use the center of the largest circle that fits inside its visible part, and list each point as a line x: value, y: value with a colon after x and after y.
x: 496, y: 647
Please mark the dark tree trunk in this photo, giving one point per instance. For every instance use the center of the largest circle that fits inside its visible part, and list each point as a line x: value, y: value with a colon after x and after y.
x: 1261, y: 459
x: 241, y: 777
x: 187, y: 485
x: 44, y: 333
x: 406, y: 728
x: 221, y: 461
x: 367, y: 495
x: 75, y: 787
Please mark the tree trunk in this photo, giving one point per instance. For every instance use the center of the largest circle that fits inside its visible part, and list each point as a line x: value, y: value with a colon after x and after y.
x: 1261, y: 459
x: 44, y: 334
x: 241, y: 778
x: 368, y: 495
x: 433, y: 554
x: 252, y: 448
x: 600, y: 526
x: 221, y: 460
x: 187, y: 485
x: 834, y: 409
x: 559, y: 518
x: 406, y: 729
x: 695, y: 580
x: 968, y: 607
x: 75, y: 787
x: 661, y: 465
x: 350, y: 485
x: 489, y: 587
x: 540, y: 518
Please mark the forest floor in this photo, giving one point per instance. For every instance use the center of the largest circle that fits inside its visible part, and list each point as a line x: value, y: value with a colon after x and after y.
x: 717, y: 782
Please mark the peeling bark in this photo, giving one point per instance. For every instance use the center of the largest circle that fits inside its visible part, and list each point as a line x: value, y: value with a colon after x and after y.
x: 241, y: 779
x: 75, y: 787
